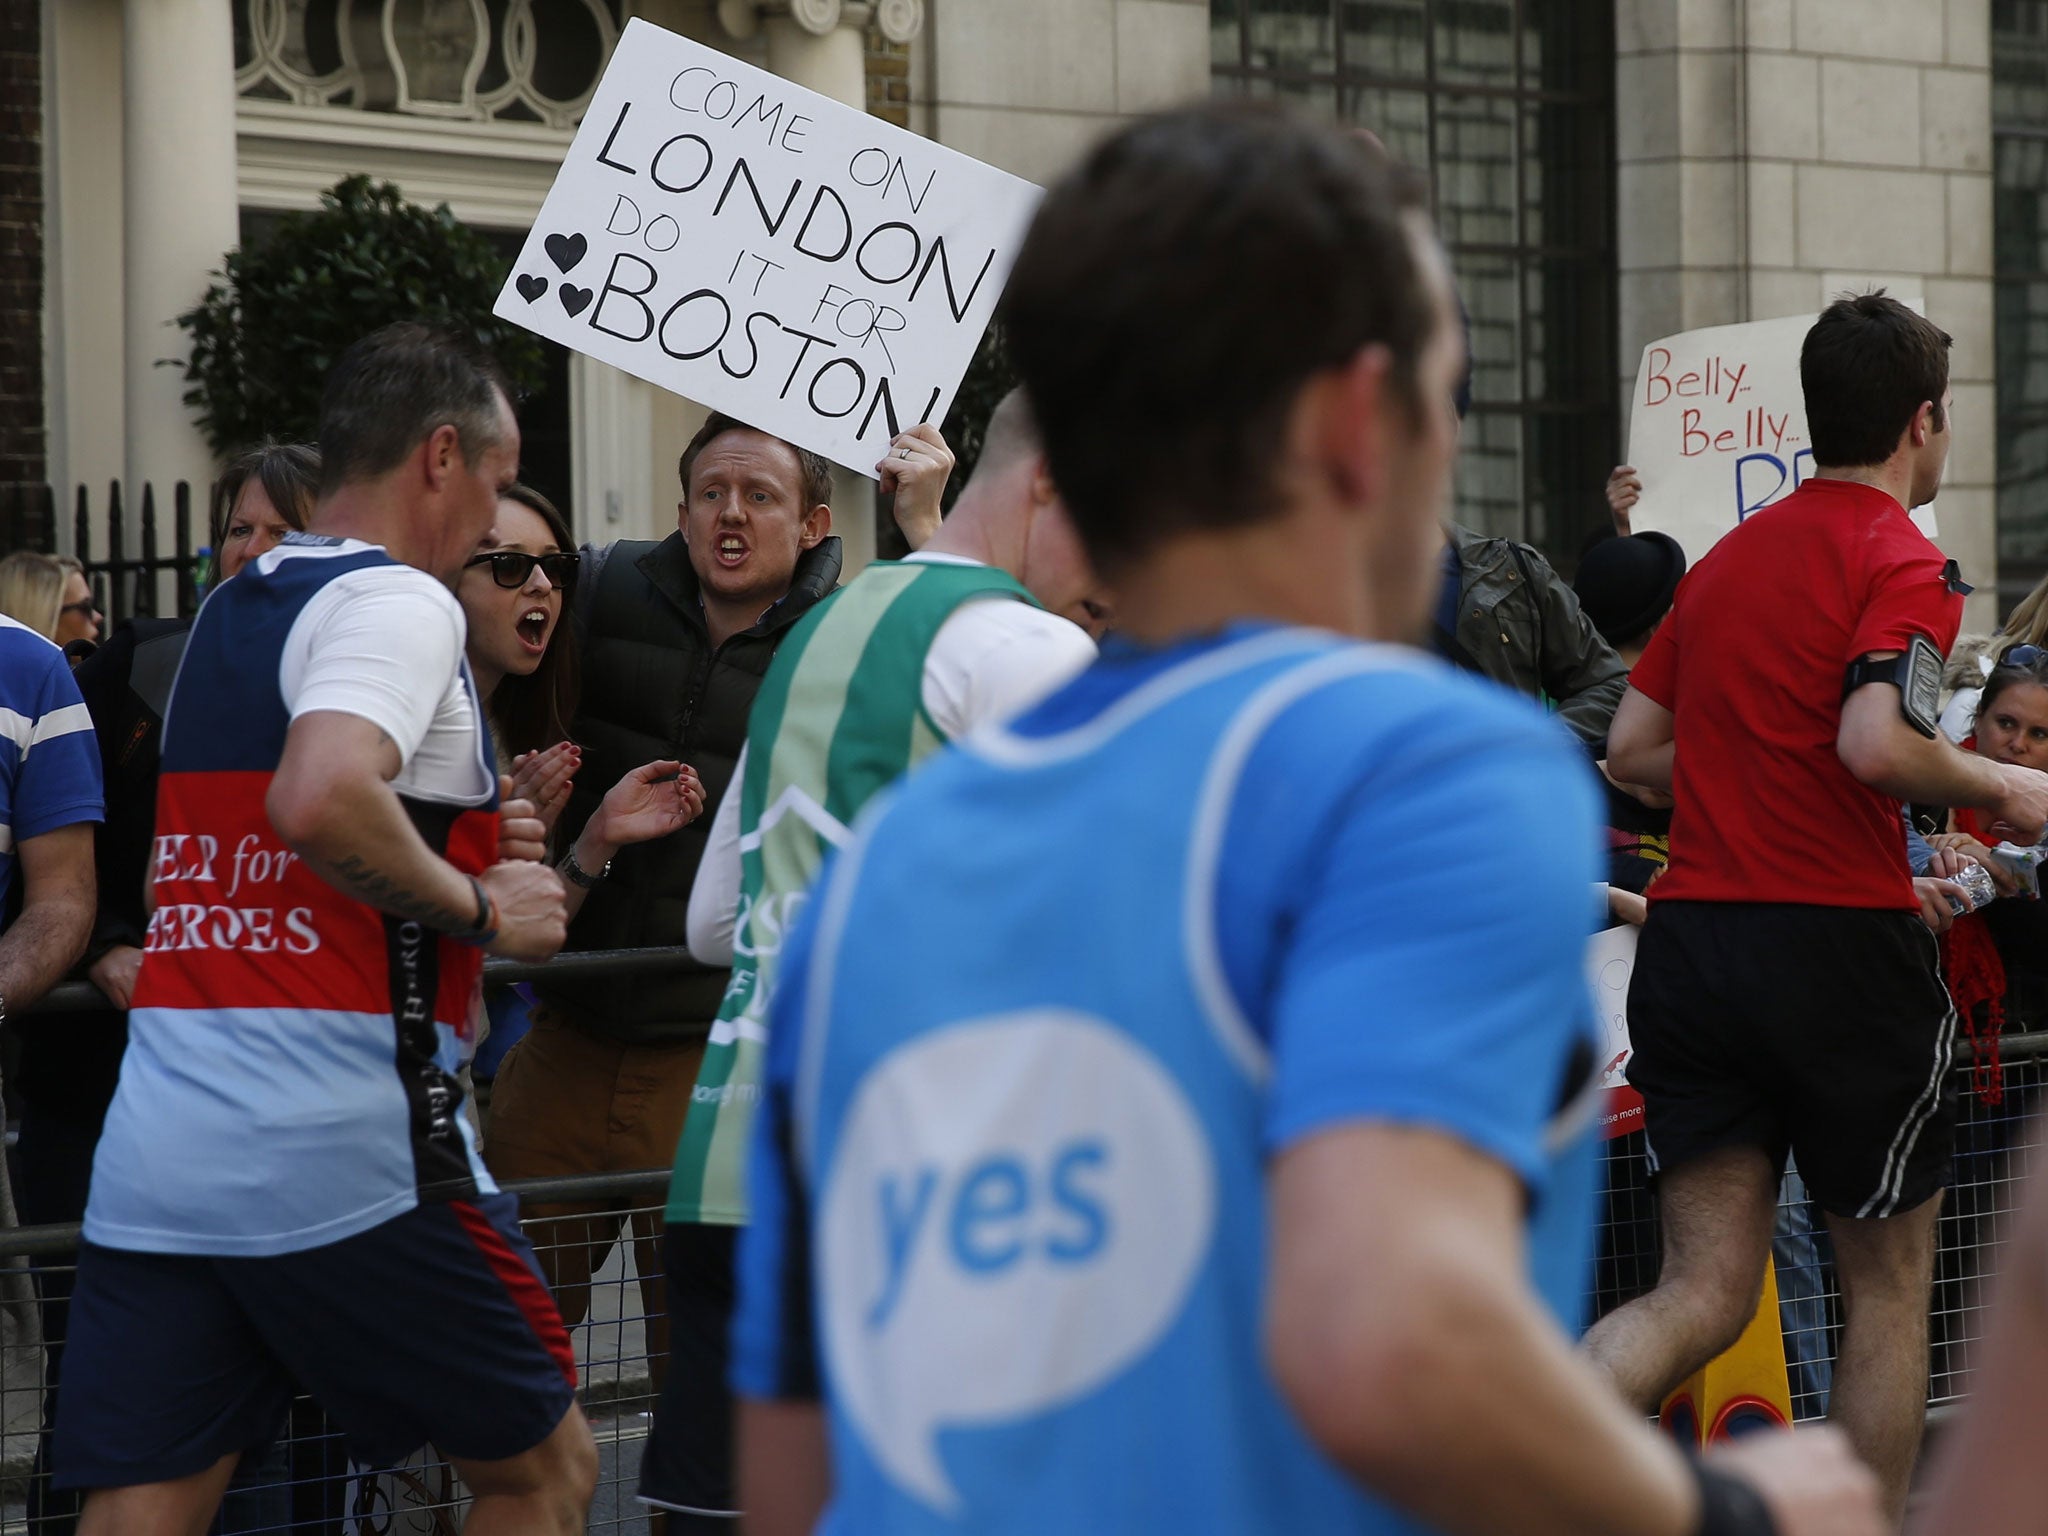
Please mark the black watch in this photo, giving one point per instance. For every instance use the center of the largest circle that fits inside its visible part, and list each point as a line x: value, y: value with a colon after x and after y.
x: 578, y: 876
x: 1729, y: 1506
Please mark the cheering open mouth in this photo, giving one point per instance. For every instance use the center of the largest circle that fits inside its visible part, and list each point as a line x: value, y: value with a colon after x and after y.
x: 533, y: 629
x: 731, y: 550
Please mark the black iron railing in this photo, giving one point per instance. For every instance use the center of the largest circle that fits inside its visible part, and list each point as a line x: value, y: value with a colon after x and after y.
x: 147, y: 570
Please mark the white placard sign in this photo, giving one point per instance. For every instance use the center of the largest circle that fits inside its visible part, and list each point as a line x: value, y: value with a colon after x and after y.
x: 767, y: 251
x: 1717, y: 429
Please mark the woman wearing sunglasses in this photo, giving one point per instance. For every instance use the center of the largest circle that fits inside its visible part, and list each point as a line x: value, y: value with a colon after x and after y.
x: 526, y: 669
x: 512, y: 592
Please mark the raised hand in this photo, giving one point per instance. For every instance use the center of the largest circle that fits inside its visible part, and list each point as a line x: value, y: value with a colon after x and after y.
x: 545, y: 778
x: 1624, y: 490
x: 521, y: 832
x: 915, y: 471
x: 652, y: 801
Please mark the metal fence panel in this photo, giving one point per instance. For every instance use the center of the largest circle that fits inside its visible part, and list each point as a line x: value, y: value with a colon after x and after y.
x: 305, y: 1482
x: 1993, y: 1156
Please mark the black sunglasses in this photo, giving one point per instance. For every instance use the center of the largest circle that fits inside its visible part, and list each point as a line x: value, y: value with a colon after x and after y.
x: 2021, y: 656
x: 85, y: 608
x: 510, y: 568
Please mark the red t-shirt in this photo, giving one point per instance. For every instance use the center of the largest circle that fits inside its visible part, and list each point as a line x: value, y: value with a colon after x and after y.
x: 1750, y: 664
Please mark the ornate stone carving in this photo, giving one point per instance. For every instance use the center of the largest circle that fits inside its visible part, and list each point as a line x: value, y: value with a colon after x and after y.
x: 426, y: 57
x: 899, y: 20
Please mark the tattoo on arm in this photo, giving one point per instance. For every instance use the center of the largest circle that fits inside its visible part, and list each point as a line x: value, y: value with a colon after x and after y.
x: 372, y: 886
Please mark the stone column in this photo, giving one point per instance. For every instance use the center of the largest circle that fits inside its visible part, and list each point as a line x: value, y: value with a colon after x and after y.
x: 819, y: 44
x: 180, y: 213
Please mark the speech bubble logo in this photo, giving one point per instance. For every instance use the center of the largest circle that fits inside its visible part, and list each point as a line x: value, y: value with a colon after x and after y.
x: 1016, y: 1210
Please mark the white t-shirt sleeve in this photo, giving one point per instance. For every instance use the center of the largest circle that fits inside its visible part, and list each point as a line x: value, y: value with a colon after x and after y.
x: 715, y: 896
x: 382, y: 644
x: 996, y: 657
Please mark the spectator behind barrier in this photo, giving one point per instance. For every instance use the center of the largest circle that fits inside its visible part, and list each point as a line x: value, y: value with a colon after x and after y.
x: 49, y: 594
x: 1971, y: 659
x: 675, y: 636
x: 1503, y: 612
x: 1626, y: 586
x: 2011, y: 934
x: 526, y: 670
x: 70, y: 1062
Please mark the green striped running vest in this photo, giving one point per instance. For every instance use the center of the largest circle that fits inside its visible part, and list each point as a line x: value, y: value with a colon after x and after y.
x: 840, y: 715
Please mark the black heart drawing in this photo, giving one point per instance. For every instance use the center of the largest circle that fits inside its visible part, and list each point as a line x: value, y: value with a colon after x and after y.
x: 566, y: 250
x: 574, y: 299
x: 532, y: 287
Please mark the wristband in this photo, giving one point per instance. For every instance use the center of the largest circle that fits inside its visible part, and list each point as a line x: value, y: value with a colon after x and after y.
x: 485, y: 928
x: 1729, y: 1506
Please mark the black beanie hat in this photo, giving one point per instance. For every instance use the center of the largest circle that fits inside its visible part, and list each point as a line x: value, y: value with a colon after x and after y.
x: 1626, y: 584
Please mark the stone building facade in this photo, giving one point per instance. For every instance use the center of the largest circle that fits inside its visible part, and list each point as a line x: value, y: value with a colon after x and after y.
x: 1604, y: 173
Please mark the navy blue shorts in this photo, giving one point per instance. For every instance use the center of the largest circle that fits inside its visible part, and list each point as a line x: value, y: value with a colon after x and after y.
x: 434, y: 1327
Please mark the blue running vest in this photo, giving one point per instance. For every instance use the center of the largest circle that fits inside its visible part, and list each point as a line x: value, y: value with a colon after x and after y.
x: 1032, y: 1105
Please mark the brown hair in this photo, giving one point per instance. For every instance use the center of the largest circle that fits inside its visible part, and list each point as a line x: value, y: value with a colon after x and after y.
x: 534, y: 711
x: 2004, y: 676
x: 1178, y: 289
x: 289, y: 474
x: 398, y: 386
x: 815, y: 472
x: 1866, y: 368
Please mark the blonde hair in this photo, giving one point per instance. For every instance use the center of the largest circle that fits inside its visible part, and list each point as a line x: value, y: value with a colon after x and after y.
x: 32, y: 588
x: 2029, y: 622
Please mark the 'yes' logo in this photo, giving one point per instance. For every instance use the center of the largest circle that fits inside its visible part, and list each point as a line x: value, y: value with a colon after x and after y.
x: 1015, y: 1211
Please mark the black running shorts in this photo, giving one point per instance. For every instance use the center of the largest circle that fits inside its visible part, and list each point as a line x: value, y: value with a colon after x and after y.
x: 1822, y: 1030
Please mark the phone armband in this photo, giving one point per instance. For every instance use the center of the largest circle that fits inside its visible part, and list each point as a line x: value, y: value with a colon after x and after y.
x: 1915, y: 672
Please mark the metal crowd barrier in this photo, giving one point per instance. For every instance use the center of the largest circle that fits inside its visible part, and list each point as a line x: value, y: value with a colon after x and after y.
x: 1993, y: 1156
x: 305, y: 1482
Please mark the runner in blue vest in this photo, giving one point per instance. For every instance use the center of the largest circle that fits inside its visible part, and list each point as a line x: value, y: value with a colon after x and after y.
x: 1177, y: 1102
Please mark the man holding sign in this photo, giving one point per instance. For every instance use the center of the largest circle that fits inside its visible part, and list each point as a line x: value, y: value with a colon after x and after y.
x: 837, y: 273
x: 1776, y: 1008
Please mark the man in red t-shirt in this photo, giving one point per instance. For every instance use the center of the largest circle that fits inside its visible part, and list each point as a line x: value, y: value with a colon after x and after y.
x: 1787, y: 994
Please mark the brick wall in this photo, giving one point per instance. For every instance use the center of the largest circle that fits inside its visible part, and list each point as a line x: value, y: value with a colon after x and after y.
x: 21, y: 246
x: 888, y: 70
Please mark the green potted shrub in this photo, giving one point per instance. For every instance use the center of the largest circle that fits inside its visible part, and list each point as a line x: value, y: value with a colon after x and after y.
x: 286, y: 307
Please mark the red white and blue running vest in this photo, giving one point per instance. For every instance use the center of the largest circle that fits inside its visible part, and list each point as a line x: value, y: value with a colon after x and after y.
x: 290, y: 1075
